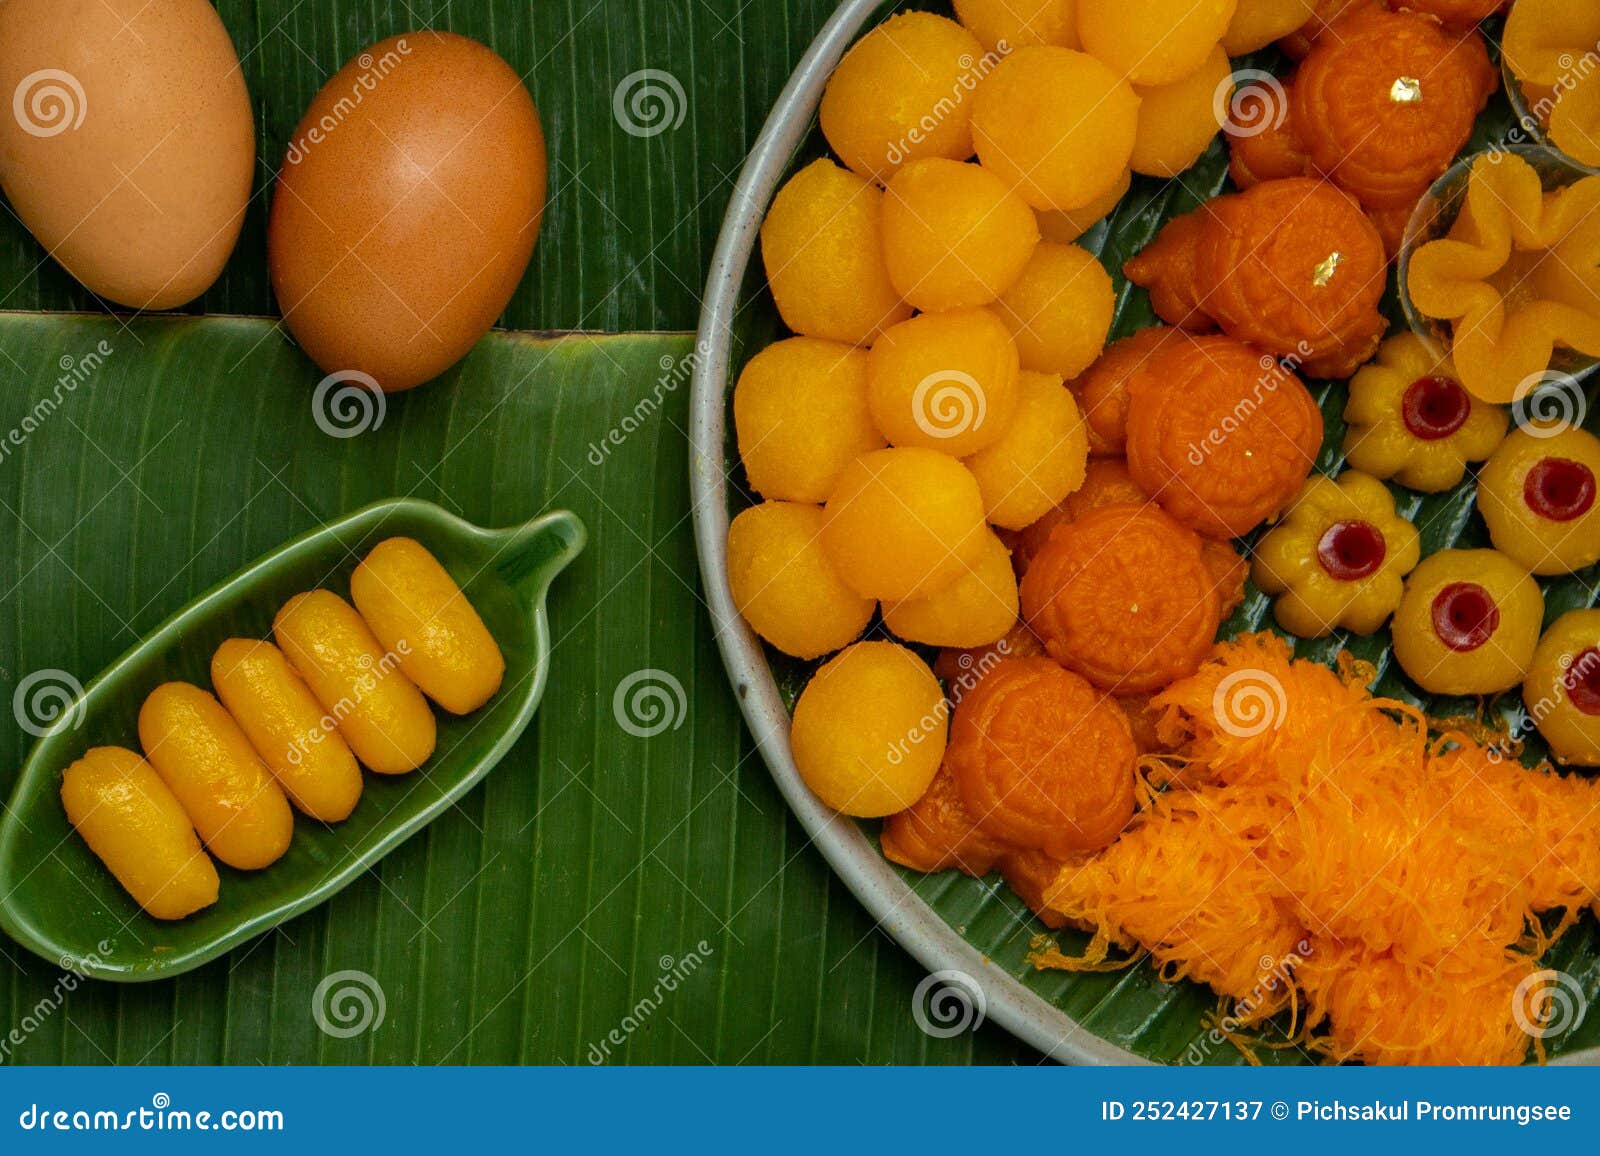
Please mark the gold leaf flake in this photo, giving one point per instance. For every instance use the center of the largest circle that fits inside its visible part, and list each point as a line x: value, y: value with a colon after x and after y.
x: 1406, y: 90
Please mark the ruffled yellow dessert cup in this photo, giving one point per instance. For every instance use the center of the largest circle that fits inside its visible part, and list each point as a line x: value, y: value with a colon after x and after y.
x: 1512, y: 285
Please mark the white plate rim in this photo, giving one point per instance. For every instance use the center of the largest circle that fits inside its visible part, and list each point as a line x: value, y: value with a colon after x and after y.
x: 890, y: 900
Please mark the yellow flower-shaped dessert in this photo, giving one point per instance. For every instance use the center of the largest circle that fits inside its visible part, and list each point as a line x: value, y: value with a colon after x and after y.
x: 1550, y: 47
x: 1562, y: 691
x: 1410, y: 419
x: 1339, y: 557
x: 1517, y: 275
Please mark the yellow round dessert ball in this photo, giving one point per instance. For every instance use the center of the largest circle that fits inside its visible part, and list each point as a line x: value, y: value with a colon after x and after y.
x: 1153, y: 41
x: 1539, y: 493
x: 869, y: 730
x: 944, y: 381
x: 1059, y: 311
x: 903, y: 522
x: 978, y: 608
x: 954, y: 234
x: 800, y: 412
x: 1467, y: 623
x: 1055, y: 124
x: 1257, y: 23
x: 822, y: 245
x: 1011, y: 24
x: 1065, y: 226
x: 901, y: 93
x: 1039, y: 460
x: 1562, y: 691
x: 784, y: 585
x: 1178, y: 121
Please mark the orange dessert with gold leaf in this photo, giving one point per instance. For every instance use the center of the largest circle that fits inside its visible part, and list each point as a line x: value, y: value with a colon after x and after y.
x: 1380, y: 107
x: 1291, y: 265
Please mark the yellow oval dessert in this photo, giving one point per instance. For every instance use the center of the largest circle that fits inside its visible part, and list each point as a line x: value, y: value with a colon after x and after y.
x: 380, y: 712
x: 233, y: 801
x: 284, y: 722
x: 135, y: 825
x: 416, y: 610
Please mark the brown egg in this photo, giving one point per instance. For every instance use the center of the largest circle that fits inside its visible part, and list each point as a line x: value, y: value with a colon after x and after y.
x: 126, y: 141
x: 407, y: 208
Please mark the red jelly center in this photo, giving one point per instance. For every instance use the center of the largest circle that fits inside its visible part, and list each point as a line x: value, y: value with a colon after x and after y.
x: 1350, y: 551
x: 1559, y: 489
x: 1435, y: 407
x: 1465, y: 616
x: 1582, y: 681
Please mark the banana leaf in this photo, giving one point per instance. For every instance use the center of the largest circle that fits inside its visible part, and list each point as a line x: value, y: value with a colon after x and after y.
x: 625, y: 887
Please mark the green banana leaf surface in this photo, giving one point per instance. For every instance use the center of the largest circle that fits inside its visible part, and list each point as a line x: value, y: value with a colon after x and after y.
x: 627, y: 886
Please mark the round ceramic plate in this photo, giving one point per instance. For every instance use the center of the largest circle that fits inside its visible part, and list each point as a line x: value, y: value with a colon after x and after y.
x: 899, y: 909
x: 974, y: 933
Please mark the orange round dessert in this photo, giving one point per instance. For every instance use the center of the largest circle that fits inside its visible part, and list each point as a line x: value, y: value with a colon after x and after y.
x: 1042, y: 761
x: 1220, y: 434
x: 1384, y: 105
x: 1125, y: 597
x: 1292, y: 265
x: 1106, y: 482
x: 938, y: 833
x: 1102, y: 389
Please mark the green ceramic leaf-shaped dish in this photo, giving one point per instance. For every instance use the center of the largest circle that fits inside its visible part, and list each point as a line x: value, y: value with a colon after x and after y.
x: 57, y: 899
